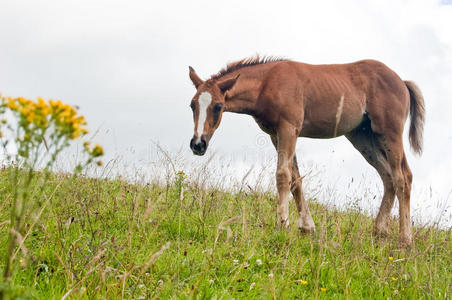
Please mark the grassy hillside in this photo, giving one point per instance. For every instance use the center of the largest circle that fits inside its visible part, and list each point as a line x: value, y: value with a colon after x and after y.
x: 110, y: 239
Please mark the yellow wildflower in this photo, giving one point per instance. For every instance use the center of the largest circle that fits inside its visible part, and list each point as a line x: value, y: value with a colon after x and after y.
x: 46, y: 110
x: 97, y: 151
x: 323, y: 289
x: 80, y: 120
x: 42, y: 114
x: 75, y: 135
x: 55, y: 104
x: 394, y: 279
x: 12, y: 105
x: 65, y: 113
x: 22, y: 100
x: 391, y: 258
x: 31, y: 117
x: 302, y: 282
x: 41, y: 122
x: 25, y: 111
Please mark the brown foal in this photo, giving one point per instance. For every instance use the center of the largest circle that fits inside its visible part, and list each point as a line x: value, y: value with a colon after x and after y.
x: 365, y: 101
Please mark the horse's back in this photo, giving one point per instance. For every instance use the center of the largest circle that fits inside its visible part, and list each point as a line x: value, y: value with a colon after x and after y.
x: 337, y: 96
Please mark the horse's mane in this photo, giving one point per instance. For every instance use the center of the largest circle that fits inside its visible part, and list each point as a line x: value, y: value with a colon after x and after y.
x: 246, y: 62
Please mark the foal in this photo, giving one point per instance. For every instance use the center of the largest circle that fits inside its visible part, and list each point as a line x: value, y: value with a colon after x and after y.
x: 365, y: 101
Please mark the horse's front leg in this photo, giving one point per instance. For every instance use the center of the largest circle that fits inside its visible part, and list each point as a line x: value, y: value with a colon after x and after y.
x: 286, y: 141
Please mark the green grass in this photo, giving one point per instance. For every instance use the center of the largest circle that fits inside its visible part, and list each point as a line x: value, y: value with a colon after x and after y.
x: 101, y: 239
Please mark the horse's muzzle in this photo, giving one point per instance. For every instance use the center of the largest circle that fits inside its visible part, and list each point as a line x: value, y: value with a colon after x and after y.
x: 198, y: 146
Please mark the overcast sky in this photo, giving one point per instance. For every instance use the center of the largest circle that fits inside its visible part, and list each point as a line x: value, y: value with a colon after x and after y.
x: 125, y: 64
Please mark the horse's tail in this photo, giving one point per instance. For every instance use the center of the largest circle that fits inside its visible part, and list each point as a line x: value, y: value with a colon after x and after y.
x: 417, y: 116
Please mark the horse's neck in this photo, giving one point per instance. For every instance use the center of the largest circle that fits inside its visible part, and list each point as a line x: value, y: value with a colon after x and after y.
x: 242, y: 98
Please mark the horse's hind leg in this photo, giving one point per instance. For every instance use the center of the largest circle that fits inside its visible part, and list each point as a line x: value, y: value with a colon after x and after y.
x: 388, y: 109
x: 401, y: 178
x: 366, y: 142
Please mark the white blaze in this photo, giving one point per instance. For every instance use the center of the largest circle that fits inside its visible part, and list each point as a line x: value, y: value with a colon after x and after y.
x: 204, y: 101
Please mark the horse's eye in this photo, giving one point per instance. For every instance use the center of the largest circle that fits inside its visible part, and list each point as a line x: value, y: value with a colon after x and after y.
x: 216, y: 112
x: 218, y: 107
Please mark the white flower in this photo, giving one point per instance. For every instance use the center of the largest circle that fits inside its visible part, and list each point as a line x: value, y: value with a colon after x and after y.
x: 235, y: 262
x: 208, y: 251
x: 252, y: 285
x: 258, y: 262
x: 211, y: 281
x: 270, y: 275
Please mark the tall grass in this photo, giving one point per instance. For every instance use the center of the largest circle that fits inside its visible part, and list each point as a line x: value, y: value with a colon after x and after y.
x: 109, y: 238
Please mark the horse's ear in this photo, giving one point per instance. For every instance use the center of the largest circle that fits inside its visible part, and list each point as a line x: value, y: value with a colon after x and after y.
x: 227, y: 84
x: 194, y: 77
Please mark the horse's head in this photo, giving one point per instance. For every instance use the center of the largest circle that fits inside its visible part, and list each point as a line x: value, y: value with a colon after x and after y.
x: 207, y: 105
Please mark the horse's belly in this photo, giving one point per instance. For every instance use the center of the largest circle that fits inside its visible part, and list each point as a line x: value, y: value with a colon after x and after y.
x: 327, y: 130
x: 321, y: 122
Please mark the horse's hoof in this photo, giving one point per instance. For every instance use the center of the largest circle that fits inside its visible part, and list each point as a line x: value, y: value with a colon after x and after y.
x: 405, y: 242
x: 283, y: 224
x: 307, y: 226
x: 381, y: 232
x: 307, y: 230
